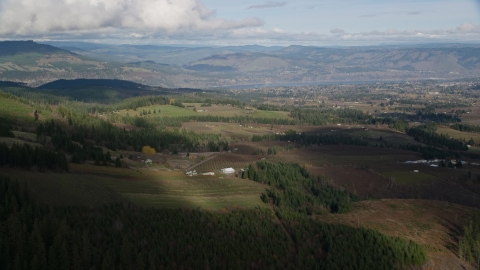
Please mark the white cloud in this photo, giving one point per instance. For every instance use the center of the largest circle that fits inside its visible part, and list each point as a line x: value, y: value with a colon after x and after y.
x: 464, y: 32
x: 37, y: 17
x: 277, y: 30
x: 268, y: 4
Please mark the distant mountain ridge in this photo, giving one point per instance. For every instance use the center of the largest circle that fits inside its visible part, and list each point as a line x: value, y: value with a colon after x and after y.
x: 19, y: 47
x: 205, y: 67
x: 84, y: 83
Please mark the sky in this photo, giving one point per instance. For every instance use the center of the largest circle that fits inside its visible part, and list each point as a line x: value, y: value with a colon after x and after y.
x: 242, y: 22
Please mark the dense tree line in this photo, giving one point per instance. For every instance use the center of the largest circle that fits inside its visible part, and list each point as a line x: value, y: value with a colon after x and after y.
x: 347, y: 248
x: 27, y: 157
x: 311, y: 139
x: 177, y: 121
x: 427, y: 134
x: 128, y: 237
x: 5, y: 130
x: 439, y: 118
x: 330, y: 116
x: 270, y: 107
x: 292, y: 187
x: 83, y: 129
x: 466, y: 127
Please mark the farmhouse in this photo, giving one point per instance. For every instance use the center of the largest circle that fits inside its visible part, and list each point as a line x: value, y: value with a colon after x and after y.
x: 228, y: 170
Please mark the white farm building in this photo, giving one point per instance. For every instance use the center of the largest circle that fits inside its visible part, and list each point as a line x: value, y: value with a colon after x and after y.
x: 228, y: 170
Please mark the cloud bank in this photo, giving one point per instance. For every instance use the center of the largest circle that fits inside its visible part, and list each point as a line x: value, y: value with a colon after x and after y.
x: 35, y: 17
x: 184, y: 21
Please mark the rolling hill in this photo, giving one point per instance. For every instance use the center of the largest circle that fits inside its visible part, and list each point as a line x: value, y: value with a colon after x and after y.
x: 204, y: 67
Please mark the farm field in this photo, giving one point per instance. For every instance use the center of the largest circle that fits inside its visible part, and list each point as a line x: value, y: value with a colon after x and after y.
x: 230, y: 130
x: 88, y: 185
x: 458, y: 134
x: 246, y: 131
x: 472, y: 118
x: 228, y: 160
x: 433, y: 224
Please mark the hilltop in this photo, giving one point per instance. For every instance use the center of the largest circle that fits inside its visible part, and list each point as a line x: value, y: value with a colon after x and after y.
x: 22, y: 47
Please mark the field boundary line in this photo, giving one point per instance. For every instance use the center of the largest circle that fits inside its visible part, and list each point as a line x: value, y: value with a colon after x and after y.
x: 201, y: 162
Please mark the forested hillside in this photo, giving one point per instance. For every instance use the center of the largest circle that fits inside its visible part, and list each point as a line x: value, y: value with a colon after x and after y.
x: 129, y: 237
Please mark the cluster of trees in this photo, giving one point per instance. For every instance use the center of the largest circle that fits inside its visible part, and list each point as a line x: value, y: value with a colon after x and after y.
x: 27, y: 157
x: 346, y: 248
x: 145, y: 112
x: 127, y: 237
x: 329, y: 116
x: 270, y: 107
x: 136, y: 102
x: 439, y: 118
x: 85, y: 129
x: 469, y: 245
x: 292, y: 188
x: 392, y: 123
x: 466, y: 127
x: 427, y: 134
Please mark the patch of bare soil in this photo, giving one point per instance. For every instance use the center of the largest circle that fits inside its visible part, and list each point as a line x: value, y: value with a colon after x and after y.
x: 360, y: 182
x: 435, y: 225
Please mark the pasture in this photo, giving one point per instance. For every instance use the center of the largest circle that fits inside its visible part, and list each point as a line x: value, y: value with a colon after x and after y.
x: 12, y: 108
x: 458, y: 134
x: 88, y: 185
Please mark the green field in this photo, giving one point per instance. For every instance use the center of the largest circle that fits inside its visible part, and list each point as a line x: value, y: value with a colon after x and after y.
x: 163, y: 189
x: 11, y: 109
x: 459, y: 134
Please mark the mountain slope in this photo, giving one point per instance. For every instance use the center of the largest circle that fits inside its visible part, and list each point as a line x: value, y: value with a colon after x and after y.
x: 19, y: 47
